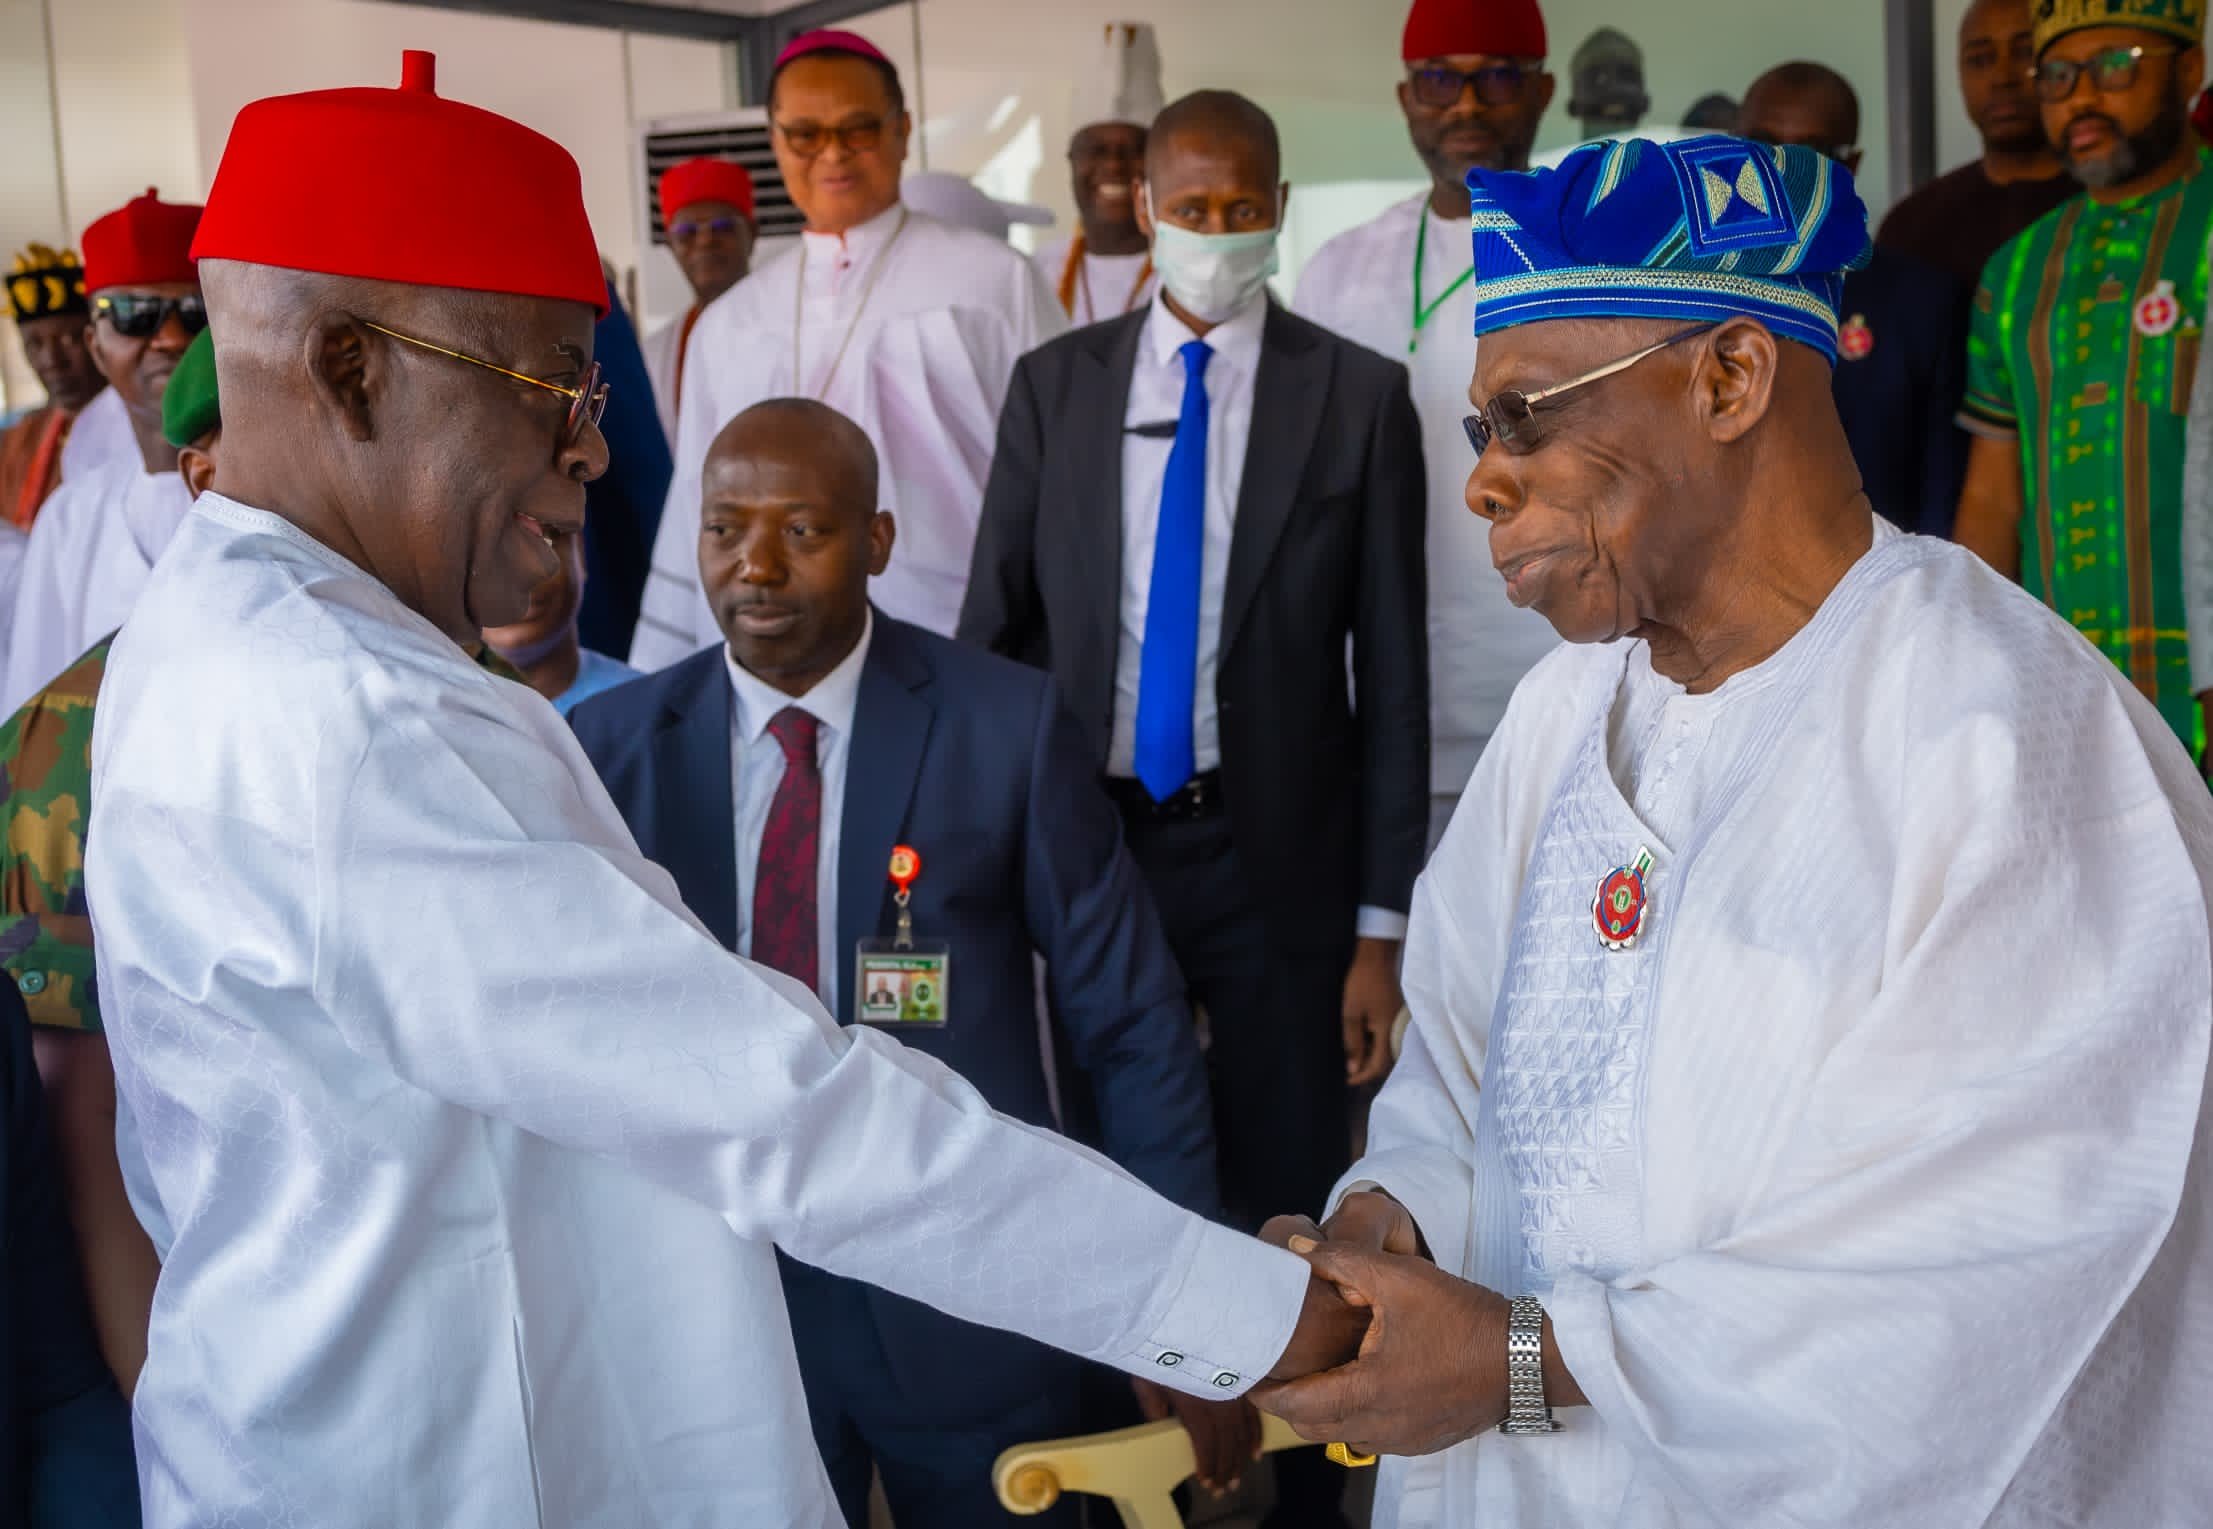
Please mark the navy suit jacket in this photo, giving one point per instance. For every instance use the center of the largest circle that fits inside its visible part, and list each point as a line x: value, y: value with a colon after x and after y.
x: 970, y: 759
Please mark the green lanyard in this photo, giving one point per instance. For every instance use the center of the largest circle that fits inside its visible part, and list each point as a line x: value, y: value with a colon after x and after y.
x: 1423, y: 315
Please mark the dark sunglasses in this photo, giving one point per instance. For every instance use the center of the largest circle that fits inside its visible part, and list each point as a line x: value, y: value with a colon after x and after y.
x: 2111, y: 72
x: 1439, y: 88
x: 1511, y: 418
x: 141, y: 318
x: 690, y: 229
x: 807, y: 139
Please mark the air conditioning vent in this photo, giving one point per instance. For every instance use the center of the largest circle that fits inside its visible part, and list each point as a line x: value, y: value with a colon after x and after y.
x: 738, y: 136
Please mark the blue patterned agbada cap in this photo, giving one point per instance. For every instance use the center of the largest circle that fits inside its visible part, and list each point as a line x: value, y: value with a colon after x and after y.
x: 1709, y: 228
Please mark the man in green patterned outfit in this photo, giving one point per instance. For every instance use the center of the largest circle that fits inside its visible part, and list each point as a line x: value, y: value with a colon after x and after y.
x: 2085, y: 344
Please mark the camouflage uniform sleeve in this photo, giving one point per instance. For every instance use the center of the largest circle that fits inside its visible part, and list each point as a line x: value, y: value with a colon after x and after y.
x: 45, y: 794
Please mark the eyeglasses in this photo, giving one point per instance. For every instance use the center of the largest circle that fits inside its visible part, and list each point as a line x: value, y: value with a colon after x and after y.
x: 689, y: 229
x: 587, y: 400
x: 1511, y: 417
x: 2111, y: 72
x: 141, y: 318
x: 1439, y: 88
x: 807, y: 139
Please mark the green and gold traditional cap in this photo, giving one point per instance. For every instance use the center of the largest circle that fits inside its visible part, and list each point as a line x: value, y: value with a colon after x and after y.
x: 188, y: 407
x: 46, y: 283
x: 2183, y: 20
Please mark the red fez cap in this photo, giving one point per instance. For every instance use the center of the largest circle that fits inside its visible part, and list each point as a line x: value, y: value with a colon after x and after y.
x: 705, y: 180
x: 1501, y: 28
x: 403, y: 185
x: 144, y: 242
x: 830, y: 40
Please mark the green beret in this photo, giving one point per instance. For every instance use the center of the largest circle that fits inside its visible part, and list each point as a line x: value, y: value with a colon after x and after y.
x: 188, y: 408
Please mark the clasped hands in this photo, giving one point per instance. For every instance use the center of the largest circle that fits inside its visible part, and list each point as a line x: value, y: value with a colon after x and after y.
x: 1392, y: 1356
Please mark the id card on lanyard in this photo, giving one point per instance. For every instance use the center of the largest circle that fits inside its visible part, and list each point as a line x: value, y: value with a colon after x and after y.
x: 901, y: 982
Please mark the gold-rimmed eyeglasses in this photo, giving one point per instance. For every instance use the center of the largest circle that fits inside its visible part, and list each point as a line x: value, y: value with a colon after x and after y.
x: 587, y: 400
x: 1511, y: 417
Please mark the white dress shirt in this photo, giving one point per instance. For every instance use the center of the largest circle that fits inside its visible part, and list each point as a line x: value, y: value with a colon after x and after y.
x: 757, y: 769
x: 1156, y: 395
x: 434, y: 1075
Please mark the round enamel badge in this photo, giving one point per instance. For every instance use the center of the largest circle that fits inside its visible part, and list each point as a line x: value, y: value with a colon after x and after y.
x: 2157, y: 312
x: 1855, y: 340
x: 1619, y: 907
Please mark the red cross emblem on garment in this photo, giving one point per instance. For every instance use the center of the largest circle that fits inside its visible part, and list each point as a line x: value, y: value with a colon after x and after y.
x: 2157, y: 312
x: 1855, y: 339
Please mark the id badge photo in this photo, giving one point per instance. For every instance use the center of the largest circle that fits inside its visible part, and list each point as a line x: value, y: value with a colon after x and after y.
x: 902, y: 982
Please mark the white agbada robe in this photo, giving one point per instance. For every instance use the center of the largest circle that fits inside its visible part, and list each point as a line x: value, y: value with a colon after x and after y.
x: 470, y: 1143
x: 1868, y: 1189
x: 1109, y: 286
x: 925, y: 369
x: 1361, y: 284
x: 90, y: 550
x: 13, y: 544
x: 100, y: 435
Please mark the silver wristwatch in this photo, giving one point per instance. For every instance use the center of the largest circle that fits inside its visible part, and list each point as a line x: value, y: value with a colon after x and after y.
x: 1526, y: 1411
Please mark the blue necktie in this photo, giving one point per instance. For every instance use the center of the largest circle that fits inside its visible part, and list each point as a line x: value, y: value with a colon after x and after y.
x: 1168, y: 669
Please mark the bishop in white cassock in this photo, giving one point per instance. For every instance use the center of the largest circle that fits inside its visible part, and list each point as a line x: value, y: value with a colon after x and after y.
x: 907, y: 326
x: 1402, y: 286
x: 467, y: 1145
x: 1805, y: 1107
x: 1105, y: 268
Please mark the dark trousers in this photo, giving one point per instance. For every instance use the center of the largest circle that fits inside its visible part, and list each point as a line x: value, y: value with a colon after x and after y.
x: 1282, y: 1113
x: 936, y: 1469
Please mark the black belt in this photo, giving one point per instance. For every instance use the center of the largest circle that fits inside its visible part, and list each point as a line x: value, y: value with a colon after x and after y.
x: 1201, y: 797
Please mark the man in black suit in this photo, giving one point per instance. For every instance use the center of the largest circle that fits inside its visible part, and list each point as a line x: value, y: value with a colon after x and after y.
x: 1902, y: 325
x: 779, y: 776
x: 1191, y: 510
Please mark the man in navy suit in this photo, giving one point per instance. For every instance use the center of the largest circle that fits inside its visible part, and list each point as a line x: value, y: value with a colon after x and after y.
x: 775, y: 777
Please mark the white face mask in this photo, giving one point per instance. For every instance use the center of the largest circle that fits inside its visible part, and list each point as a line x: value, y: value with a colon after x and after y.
x: 1213, y: 276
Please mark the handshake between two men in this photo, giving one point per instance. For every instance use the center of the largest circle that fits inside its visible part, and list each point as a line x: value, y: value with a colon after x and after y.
x: 1392, y: 1355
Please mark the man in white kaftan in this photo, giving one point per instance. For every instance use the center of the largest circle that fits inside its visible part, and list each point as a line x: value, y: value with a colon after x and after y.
x: 1105, y: 268
x: 1402, y: 286
x: 101, y: 435
x: 908, y: 327
x: 1812, y: 995
x: 468, y: 1145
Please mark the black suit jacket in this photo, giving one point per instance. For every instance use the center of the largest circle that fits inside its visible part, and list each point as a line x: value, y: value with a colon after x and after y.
x: 1900, y: 401
x: 1328, y: 803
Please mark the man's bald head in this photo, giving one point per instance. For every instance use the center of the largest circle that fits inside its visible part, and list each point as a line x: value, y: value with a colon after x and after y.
x: 1222, y: 120
x: 789, y: 536
x: 1807, y: 104
x: 804, y: 429
x: 442, y: 478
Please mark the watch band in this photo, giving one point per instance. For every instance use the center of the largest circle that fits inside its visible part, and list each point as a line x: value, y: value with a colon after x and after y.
x: 1526, y: 1411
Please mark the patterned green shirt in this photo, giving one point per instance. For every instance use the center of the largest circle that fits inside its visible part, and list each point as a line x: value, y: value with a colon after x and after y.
x: 2084, y: 345
x: 45, y: 798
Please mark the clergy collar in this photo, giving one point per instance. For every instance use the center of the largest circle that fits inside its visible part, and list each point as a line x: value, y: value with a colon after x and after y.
x: 1236, y: 339
x: 831, y: 702
x: 859, y: 241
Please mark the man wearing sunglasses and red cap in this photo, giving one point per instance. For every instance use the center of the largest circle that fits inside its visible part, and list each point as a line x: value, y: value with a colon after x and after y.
x: 1474, y: 90
x: 707, y: 211
x: 95, y: 539
x: 470, y: 1146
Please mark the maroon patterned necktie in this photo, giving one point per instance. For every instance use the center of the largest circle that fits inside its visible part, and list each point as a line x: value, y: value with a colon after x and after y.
x: 785, y: 929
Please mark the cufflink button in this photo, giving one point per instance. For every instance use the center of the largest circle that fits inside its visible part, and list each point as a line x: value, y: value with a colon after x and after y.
x: 1225, y: 1380
x: 32, y: 983
x: 1170, y: 1359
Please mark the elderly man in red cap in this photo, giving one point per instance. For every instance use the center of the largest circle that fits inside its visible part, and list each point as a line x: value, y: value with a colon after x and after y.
x: 1474, y: 91
x: 95, y: 539
x: 905, y: 325
x: 470, y: 1147
x: 707, y: 209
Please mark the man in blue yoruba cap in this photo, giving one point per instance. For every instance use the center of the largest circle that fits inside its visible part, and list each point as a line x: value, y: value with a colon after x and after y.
x: 1803, y: 1109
